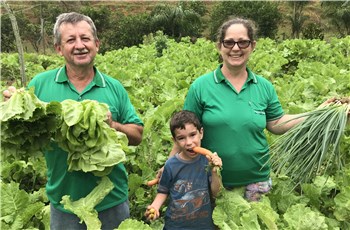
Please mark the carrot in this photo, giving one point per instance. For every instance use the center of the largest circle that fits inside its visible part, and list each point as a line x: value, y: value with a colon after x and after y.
x: 202, y: 151
x: 152, y: 182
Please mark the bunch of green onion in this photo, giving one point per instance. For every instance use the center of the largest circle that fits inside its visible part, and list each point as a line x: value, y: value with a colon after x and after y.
x: 312, y: 146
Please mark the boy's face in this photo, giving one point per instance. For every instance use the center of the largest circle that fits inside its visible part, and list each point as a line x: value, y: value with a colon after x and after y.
x: 186, y: 139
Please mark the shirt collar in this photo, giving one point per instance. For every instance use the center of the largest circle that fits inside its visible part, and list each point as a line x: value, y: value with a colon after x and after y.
x: 219, y: 77
x: 99, y: 79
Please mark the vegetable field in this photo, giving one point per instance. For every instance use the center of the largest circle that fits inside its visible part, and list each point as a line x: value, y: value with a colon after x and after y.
x: 157, y: 76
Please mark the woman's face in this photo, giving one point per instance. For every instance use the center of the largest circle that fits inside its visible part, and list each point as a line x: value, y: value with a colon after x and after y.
x: 235, y: 56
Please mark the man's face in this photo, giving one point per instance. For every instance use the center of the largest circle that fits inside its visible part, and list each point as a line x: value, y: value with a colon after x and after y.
x: 78, y: 45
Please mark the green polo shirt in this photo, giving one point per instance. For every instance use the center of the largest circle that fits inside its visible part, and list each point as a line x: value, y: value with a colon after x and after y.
x: 234, y: 123
x: 54, y: 85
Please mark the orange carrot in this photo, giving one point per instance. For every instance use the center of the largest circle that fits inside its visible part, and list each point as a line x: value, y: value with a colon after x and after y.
x: 202, y: 151
x: 152, y: 182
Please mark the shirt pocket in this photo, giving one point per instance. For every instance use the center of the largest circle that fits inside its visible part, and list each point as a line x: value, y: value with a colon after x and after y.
x: 258, y: 114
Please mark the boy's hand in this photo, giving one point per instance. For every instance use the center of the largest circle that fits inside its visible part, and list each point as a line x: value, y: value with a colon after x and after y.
x: 215, y: 161
x: 152, y: 213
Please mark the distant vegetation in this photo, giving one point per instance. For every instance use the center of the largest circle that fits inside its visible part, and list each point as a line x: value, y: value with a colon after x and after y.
x: 125, y: 24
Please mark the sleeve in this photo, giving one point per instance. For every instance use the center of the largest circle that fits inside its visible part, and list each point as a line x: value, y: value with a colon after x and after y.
x: 128, y: 113
x: 274, y: 108
x: 165, y: 180
x: 193, y: 101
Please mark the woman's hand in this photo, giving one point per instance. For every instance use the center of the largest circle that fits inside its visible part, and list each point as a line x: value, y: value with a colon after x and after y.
x: 327, y: 102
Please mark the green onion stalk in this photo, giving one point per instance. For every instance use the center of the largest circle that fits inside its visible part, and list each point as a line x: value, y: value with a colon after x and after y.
x: 312, y: 147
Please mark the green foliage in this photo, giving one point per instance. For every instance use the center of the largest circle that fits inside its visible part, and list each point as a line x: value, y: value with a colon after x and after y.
x: 19, y: 210
x: 161, y: 43
x: 339, y: 14
x: 176, y: 21
x: 297, y: 17
x: 84, y: 208
x: 28, y: 125
x: 129, y: 31
x: 304, y: 73
x: 313, y: 31
x: 312, y: 147
x: 106, y: 22
x: 264, y: 13
x: 299, y: 216
x: 92, y: 145
x: 8, y: 41
x: 232, y: 211
x: 131, y: 224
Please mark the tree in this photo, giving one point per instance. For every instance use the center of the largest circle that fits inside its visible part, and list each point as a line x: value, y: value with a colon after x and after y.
x: 8, y: 40
x: 130, y: 31
x: 265, y: 14
x: 18, y: 43
x: 313, y: 31
x: 339, y: 14
x: 176, y: 20
x: 106, y: 22
x: 297, y: 18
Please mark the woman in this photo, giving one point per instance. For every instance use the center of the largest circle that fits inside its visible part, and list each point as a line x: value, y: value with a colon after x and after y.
x: 235, y: 106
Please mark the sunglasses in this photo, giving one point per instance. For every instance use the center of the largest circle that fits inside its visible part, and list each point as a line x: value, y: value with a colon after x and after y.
x: 229, y: 44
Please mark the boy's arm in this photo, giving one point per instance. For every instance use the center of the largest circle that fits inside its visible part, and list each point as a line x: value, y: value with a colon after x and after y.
x: 216, y: 183
x: 156, y: 204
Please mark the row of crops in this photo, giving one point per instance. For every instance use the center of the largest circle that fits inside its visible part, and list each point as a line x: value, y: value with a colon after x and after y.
x: 304, y: 72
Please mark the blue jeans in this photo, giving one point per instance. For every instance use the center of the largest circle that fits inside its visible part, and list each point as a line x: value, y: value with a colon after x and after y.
x: 110, y: 218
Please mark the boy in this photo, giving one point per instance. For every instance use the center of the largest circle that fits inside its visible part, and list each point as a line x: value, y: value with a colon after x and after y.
x: 190, y: 179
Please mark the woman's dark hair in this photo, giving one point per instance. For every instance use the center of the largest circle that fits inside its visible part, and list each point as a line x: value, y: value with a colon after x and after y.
x: 249, y: 24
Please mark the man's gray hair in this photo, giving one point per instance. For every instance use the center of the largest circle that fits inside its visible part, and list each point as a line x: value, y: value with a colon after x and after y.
x: 72, y: 18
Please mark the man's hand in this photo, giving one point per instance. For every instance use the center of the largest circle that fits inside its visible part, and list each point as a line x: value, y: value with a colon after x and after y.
x: 9, y: 92
x: 109, y: 118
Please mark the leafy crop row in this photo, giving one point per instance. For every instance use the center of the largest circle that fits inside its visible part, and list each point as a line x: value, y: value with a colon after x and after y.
x: 304, y: 72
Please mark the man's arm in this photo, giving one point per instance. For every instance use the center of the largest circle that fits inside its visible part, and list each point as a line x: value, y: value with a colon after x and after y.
x: 132, y: 131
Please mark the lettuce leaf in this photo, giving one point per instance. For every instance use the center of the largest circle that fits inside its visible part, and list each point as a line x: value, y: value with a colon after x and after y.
x: 232, y: 211
x: 27, y: 124
x: 131, y: 224
x: 301, y: 217
x: 17, y: 206
x: 84, y: 207
x: 342, y: 205
x: 92, y: 145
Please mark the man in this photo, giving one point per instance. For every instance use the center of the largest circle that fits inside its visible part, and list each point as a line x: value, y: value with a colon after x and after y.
x: 75, y: 38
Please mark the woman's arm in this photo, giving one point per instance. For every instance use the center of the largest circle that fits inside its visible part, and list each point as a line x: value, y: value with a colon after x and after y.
x: 275, y: 126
